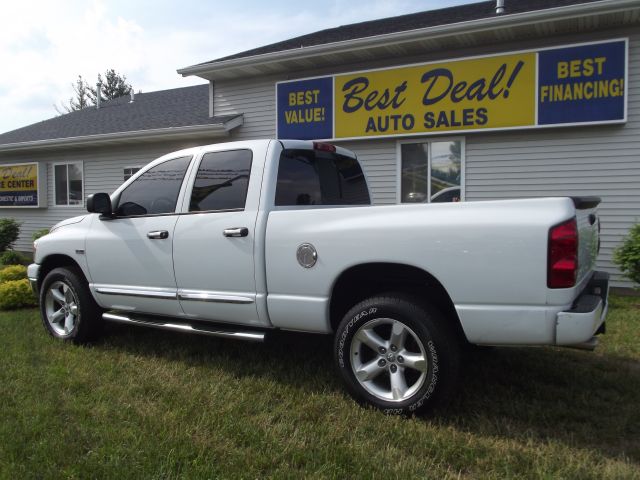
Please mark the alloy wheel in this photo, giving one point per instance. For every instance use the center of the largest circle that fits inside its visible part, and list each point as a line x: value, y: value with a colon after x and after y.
x: 61, y: 307
x: 388, y: 359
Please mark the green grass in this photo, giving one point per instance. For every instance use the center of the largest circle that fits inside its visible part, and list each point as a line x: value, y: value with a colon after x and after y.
x: 149, y: 404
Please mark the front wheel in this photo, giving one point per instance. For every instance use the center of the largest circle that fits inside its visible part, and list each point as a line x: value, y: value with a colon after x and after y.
x: 67, y: 307
x: 397, y: 355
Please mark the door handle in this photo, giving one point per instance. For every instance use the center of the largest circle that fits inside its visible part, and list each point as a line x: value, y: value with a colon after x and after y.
x: 236, y: 232
x: 158, y: 235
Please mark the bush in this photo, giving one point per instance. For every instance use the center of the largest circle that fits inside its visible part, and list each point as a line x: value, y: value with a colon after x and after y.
x: 14, y: 272
x: 627, y: 255
x: 9, y: 231
x: 16, y: 294
x: 11, y: 257
x: 39, y: 233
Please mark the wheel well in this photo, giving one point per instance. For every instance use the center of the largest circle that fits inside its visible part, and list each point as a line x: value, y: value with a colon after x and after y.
x: 364, y: 281
x: 55, y: 261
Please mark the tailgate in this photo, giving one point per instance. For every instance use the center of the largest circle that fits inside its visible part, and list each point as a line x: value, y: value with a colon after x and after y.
x: 588, y: 234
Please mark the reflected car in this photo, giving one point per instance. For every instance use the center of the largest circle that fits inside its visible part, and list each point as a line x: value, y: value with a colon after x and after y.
x: 451, y: 194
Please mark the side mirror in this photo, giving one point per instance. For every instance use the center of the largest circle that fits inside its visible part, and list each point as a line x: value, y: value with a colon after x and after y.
x: 100, y: 203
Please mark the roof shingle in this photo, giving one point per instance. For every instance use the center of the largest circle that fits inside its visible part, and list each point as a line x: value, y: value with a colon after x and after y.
x: 178, y: 107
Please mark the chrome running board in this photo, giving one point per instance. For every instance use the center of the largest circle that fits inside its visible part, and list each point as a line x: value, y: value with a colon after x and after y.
x: 179, y: 326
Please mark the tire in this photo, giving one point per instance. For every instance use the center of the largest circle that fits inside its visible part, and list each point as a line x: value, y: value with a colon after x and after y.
x: 406, y: 354
x: 67, y: 307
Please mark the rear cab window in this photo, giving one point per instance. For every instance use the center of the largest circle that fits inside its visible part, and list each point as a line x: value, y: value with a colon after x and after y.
x: 318, y: 177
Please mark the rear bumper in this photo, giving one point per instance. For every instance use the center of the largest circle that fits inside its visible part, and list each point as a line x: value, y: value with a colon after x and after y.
x: 588, y: 313
x: 33, y: 272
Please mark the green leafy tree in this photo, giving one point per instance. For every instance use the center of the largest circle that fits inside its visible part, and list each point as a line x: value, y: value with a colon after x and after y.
x: 113, y: 85
x: 9, y: 231
x: 627, y: 255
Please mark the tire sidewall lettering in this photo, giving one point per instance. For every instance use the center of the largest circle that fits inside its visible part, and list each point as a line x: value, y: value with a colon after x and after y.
x: 344, y: 350
x: 343, y: 338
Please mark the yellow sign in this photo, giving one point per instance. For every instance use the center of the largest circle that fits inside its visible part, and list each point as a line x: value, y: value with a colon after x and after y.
x: 472, y: 94
x: 19, y: 185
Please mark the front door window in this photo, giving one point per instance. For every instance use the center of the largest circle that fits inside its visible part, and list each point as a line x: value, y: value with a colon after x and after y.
x: 155, y: 191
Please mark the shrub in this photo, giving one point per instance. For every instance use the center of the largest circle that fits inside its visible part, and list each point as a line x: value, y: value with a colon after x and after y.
x: 627, y: 255
x: 11, y: 257
x: 9, y: 231
x: 14, y: 272
x: 16, y: 294
x: 39, y: 233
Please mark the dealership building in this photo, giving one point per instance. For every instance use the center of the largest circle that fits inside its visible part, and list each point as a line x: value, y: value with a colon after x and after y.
x: 490, y: 100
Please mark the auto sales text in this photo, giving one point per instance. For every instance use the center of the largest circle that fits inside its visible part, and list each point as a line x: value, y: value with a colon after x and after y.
x: 439, y: 85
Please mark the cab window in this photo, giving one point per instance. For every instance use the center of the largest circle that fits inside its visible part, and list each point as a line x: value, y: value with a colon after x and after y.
x: 313, y: 177
x: 222, y: 181
x: 155, y: 191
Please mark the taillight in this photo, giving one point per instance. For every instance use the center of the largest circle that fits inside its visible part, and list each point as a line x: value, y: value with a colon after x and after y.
x: 324, y: 147
x: 563, y: 255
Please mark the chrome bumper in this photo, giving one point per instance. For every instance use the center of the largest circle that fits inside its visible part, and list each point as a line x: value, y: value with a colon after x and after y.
x: 586, y: 317
x: 33, y: 272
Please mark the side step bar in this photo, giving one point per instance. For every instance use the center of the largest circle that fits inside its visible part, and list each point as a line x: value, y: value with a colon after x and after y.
x: 177, y: 326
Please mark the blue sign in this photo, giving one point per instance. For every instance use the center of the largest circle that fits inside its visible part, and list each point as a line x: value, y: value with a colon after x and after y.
x: 305, y: 109
x: 582, y: 84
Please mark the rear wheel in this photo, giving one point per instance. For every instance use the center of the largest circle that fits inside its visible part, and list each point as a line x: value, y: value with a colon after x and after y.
x: 67, y: 307
x: 397, y: 354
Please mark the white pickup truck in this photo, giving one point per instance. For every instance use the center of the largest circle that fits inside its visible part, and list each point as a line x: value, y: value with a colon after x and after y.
x: 238, y: 239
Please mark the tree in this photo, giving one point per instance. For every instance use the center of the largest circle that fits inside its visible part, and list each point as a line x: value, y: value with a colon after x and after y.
x: 113, y: 86
x: 79, y: 100
x: 85, y: 95
x: 627, y: 255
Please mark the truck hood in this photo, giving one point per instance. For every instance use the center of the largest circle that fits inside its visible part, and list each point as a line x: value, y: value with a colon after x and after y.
x: 68, y: 221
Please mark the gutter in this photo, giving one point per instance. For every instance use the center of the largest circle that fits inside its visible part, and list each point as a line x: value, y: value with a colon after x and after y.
x: 469, y: 27
x: 169, y: 133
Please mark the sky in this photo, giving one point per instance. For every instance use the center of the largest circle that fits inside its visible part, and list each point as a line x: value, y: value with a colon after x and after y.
x: 45, y: 45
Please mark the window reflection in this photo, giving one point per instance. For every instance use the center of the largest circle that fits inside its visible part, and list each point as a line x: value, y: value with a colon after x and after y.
x: 446, y: 168
x: 431, y: 172
x: 155, y: 191
x: 222, y: 181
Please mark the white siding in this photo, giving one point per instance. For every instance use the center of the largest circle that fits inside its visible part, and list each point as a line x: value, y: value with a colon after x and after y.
x: 256, y: 99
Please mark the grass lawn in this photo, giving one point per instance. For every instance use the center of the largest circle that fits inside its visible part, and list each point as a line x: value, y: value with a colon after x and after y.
x: 150, y: 404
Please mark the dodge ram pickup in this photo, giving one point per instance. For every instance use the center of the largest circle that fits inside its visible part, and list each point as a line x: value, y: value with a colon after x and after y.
x: 239, y: 239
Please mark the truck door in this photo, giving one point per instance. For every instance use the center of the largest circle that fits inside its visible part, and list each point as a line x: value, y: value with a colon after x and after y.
x: 130, y: 256
x: 214, y: 240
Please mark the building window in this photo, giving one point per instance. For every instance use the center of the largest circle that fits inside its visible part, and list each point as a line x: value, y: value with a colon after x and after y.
x: 431, y: 172
x: 67, y: 180
x: 130, y: 172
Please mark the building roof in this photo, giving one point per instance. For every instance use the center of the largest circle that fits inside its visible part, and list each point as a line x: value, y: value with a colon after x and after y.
x: 402, y: 23
x: 422, y: 34
x: 160, y: 111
